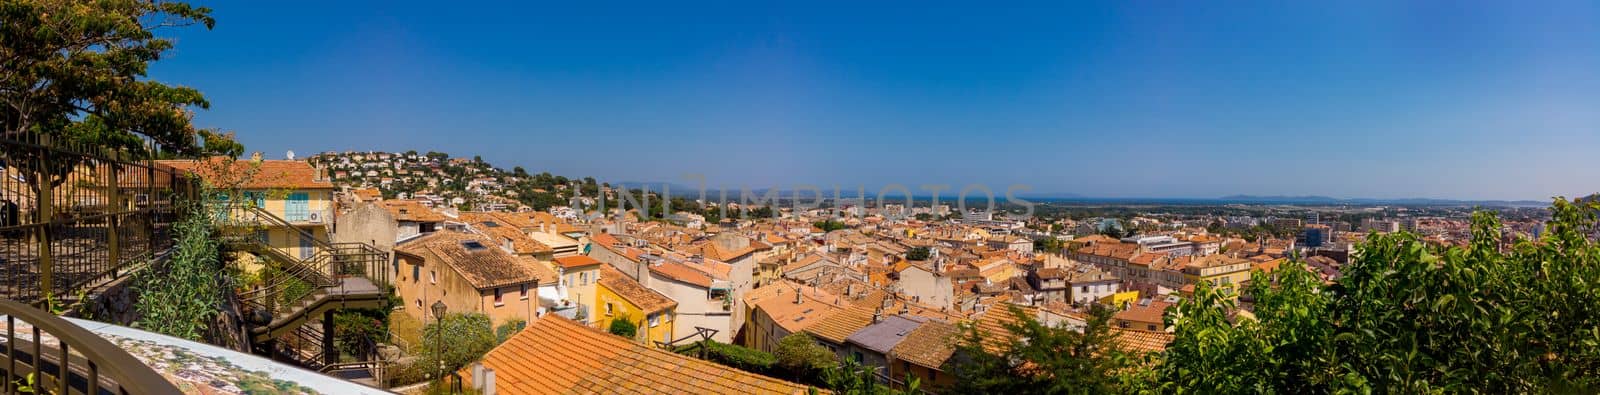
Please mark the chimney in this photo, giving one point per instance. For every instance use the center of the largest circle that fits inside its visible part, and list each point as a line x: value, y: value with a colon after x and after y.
x: 797, y: 299
x: 488, y: 382
x: 477, y: 376
x: 877, y: 315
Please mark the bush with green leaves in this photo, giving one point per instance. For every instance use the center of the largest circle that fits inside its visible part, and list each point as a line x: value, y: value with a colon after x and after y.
x: 1043, y: 359
x: 457, y: 340
x: 509, y: 328
x: 738, y: 357
x: 623, y: 327
x: 182, y: 295
x: 1409, y: 317
x: 802, y: 358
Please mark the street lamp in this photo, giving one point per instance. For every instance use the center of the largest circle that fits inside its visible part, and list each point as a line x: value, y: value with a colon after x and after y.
x: 438, y: 333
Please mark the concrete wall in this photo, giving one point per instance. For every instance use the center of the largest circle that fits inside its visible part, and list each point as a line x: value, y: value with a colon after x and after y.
x: 695, y: 309
x: 367, y: 223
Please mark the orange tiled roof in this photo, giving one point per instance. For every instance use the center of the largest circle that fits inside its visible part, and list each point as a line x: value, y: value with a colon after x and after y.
x: 247, y: 174
x: 681, y: 272
x: 1142, y: 341
x: 411, y: 210
x: 486, y: 267
x: 576, y: 261
x: 930, y: 345
x: 992, y: 325
x: 491, y: 225
x: 778, y: 302
x: 844, y: 322
x: 557, y: 355
x: 646, y: 299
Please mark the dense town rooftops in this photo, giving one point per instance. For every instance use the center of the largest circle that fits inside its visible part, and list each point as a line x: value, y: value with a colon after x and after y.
x: 492, y: 225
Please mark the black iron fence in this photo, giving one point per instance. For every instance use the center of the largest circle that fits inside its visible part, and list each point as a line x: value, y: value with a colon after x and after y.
x: 74, y: 215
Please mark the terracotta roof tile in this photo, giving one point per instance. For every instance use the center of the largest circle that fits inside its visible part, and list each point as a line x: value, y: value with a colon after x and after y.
x: 646, y: 299
x: 576, y: 261
x: 484, y: 266
x: 555, y: 355
x: 266, y: 174
x: 930, y: 345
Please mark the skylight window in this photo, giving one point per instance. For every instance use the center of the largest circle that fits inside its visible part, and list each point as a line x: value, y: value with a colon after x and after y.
x: 472, y: 245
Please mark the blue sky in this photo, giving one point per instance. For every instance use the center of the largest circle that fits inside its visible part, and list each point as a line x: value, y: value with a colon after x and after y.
x: 1113, y: 99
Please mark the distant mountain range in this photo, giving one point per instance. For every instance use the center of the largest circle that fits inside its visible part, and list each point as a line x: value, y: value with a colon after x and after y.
x: 1313, y: 199
x: 733, y: 194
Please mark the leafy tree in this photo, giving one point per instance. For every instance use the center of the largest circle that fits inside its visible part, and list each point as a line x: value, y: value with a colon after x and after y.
x: 918, y: 254
x: 506, y: 330
x: 829, y: 225
x: 1040, y: 359
x: 1409, y: 317
x: 623, y: 327
x: 925, y: 217
x: 457, y: 340
x: 1049, y: 244
x: 802, y: 357
x: 77, y: 70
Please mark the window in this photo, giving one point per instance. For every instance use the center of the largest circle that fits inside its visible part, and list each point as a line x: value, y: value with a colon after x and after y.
x: 523, y: 292
x: 608, y: 309
x: 416, y: 273
x: 263, y: 237
x: 257, y: 198
x: 655, y: 319
x: 1085, y: 288
x: 433, y: 277
x: 933, y: 375
x: 297, y: 208
x: 419, y: 303
x: 1150, y: 327
x: 497, y: 301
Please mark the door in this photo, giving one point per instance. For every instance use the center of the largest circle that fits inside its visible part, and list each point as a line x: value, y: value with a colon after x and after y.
x: 297, y: 208
x: 306, y: 248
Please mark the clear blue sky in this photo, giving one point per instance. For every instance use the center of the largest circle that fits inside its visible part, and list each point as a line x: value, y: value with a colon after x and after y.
x: 1115, y: 99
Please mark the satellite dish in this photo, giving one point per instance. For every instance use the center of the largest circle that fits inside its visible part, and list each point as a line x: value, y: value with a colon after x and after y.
x: 289, y: 155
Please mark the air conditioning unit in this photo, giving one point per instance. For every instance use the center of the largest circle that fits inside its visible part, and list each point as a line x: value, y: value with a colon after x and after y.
x: 315, y: 218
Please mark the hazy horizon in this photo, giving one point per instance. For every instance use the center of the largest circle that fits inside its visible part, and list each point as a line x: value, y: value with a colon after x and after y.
x: 1117, y: 100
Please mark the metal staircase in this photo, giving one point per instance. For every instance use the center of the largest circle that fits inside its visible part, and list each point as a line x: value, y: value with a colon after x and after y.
x: 297, y: 291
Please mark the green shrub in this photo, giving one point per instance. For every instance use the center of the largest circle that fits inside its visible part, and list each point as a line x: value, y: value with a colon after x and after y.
x: 623, y: 327
x: 457, y: 341
x: 182, y: 295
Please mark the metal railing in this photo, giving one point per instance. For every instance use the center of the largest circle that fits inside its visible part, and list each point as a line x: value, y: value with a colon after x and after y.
x: 327, y: 263
x: 72, y: 215
x: 71, y: 359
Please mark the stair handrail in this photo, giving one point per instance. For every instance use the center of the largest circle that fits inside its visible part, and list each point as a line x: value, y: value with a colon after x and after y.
x: 103, y: 358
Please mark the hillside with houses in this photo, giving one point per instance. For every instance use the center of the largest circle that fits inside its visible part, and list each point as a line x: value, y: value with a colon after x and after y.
x: 458, y: 182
